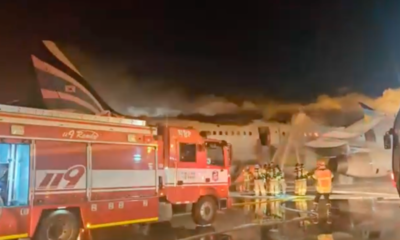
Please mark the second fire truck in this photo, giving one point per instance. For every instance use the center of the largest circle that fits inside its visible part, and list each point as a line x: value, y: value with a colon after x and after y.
x: 63, y: 172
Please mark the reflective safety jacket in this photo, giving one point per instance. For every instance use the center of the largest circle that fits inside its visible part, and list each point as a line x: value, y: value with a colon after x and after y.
x: 258, y: 174
x: 263, y: 173
x: 323, y: 179
x: 247, y: 175
x: 325, y: 237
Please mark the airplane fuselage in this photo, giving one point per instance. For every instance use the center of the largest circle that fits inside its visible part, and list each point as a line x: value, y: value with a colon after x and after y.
x: 366, y: 156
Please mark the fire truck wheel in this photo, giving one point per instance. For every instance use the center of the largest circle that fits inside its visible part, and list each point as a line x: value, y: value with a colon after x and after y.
x: 204, y: 211
x: 58, y: 225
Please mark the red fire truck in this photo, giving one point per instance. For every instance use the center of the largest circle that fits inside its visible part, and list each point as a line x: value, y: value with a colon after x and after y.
x: 63, y: 172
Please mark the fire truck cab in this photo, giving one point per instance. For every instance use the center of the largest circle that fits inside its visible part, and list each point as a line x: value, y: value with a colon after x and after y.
x: 61, y: 173
x: 194, y: 172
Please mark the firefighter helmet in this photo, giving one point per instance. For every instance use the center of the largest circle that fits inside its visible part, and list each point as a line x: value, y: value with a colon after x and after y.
x: 321, y: 163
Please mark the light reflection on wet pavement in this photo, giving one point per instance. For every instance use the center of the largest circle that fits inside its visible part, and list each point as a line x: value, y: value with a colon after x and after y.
x: 262, y: 220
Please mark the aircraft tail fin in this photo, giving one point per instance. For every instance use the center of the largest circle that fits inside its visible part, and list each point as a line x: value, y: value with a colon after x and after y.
x: 62, y: 85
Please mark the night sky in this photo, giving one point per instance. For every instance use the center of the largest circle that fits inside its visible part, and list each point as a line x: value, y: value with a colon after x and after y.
x: 286, y: 50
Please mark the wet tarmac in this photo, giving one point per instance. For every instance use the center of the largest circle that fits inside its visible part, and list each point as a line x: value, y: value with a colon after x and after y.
x: 264, y: 220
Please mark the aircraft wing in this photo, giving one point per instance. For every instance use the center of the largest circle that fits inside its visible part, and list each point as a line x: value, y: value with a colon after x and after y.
x: 326, y: 143
x: 341, y: 137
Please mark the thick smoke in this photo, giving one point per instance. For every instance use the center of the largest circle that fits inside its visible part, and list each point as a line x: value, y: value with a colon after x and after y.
x: 128, y: 95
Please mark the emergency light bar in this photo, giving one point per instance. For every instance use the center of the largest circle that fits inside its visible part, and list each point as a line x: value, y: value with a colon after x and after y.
x: 69, y: 115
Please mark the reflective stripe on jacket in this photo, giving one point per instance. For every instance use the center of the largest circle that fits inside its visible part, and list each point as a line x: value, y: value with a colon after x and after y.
x: 325, y: 237
x: 324, y: 180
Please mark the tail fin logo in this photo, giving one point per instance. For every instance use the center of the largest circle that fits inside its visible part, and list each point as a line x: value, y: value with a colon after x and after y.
x: 70, y: 89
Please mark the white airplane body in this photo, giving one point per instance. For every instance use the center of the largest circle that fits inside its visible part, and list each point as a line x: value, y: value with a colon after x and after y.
x: 365, y: 154
x: 358, y: 149
x: 245, y: 140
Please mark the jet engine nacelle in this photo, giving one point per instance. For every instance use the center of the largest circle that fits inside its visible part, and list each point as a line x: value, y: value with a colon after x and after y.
x: 362, y: 165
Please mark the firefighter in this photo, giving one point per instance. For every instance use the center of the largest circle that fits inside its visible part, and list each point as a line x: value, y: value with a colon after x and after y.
x: 278, y: 176
x: 264, y: 175
x: 323, y: 177
x: 297, y: 177
x: 266, y: 178
x: 247, y: 177
x: 302, y: 181
x: 269, y: 176
x: 282, y: 182
x: 272, y: 180
x: 258, y: 181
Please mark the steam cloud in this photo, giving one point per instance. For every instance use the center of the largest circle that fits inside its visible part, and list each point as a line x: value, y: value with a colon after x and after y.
x: 156, y: 99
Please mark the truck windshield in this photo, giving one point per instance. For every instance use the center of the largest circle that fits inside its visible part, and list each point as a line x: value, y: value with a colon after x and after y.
x: 215, y: 154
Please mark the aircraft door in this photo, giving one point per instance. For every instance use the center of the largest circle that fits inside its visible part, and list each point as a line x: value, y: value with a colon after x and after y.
x: 14, y: 190
x: 265, y: 136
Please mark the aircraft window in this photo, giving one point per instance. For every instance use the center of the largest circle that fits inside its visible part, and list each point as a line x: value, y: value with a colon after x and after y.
x: 250, y: 133
x: 220, y: 132
x: 283, y: 133
x: 238, y: 133
x: 215, y: 154
x: 187, y: 152
x: 233, y: 132
x: 214, y: 133
x: 14, y: 174
x: 226, y: 133
x: 244, y: 133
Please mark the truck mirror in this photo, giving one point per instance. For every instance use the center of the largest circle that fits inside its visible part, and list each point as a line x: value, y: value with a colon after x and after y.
x: 387, y: 141
x: 200, y: 147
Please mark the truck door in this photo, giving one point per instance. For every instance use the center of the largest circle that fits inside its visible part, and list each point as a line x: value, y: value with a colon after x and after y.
x: 217, y: 166
x: 14, y: 189
x: 187, y: 176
